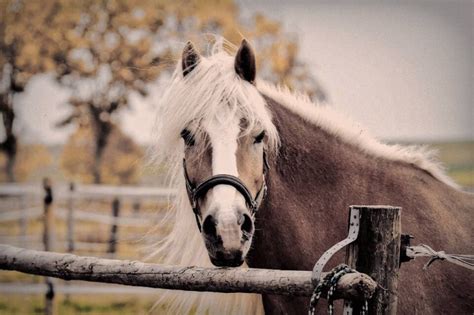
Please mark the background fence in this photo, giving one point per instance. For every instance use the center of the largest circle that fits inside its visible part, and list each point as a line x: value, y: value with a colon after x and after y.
x: 98, y: 220
x: 124, y: 214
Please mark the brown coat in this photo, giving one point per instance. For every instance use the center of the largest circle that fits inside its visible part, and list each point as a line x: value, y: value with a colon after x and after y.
x: 312, y: 182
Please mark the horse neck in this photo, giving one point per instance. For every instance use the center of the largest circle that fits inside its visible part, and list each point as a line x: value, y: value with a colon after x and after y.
x: 312, y: 181
x: 312, y: 161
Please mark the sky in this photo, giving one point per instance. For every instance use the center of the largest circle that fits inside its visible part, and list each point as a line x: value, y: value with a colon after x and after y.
x: 403, y: 69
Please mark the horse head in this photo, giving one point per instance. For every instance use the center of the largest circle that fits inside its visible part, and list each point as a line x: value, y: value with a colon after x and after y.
x: 224, y: 158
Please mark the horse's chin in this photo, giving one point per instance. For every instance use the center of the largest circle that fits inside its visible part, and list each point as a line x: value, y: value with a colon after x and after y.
x: 233, y: 259
x: 227, y: 262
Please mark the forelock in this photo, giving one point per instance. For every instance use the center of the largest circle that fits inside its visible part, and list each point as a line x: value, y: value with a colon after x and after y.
x: 211, y: 91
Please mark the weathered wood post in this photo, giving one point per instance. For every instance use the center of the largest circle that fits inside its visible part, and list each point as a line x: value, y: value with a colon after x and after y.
x: 48, y: 241
x: 70, y: 218
x: 23, y: 221
x: 136, y: 207
x: 114, y: 230
x: 376, y: 252
x: 70, y: 226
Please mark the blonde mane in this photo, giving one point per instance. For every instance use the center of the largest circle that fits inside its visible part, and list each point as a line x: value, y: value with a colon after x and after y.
x: 212, y: 84
x: 200, y: 94
x: 351, y: 132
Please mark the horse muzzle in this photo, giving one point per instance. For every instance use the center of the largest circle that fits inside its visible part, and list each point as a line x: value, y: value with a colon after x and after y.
x: 228, y: 238
x: 227, y: 258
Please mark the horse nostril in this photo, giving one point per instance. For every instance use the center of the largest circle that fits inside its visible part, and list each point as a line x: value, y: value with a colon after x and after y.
x: 209, y: 226
x: 241, y: 219
x: 246, y: 223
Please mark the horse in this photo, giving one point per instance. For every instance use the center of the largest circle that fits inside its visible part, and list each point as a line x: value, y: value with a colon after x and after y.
x: 264, y: 178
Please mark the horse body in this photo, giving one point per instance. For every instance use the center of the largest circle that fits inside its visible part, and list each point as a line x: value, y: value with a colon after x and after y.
x: 314, y: 179
x: 320, y: 168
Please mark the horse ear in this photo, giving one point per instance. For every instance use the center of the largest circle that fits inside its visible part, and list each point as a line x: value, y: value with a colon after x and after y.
x: 190, y: 58
x: 245, y: 62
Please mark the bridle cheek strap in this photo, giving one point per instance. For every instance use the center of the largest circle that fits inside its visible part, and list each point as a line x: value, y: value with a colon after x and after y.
x: 196, y: 192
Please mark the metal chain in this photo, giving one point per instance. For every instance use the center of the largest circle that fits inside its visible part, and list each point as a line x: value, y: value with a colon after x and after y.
x: 329, y: 285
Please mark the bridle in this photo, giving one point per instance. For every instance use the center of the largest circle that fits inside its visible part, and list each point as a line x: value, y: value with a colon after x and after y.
x: 197, y: 191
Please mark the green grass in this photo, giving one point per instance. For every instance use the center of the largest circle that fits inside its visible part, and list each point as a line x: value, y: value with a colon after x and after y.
x: 18, y: 277
x: 77, y: 304
x: 458, y: 158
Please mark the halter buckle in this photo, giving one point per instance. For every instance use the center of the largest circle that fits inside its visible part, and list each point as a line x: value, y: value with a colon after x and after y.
x: 194, y: 206
x: 254, y: 206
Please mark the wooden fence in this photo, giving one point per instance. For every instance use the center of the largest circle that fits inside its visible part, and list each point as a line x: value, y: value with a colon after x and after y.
x: 379, y: 241
x: 383, y: 224
x: 61, y: 202
x: 135, y: 273
x: 65, y: 199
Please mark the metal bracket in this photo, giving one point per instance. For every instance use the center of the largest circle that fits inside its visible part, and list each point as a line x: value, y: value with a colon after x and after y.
x: 354, y: 225
x: 352, y: 236
x: 404, y: 244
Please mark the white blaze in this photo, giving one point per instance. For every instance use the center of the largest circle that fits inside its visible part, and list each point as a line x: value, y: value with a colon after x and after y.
x: 224, y: 198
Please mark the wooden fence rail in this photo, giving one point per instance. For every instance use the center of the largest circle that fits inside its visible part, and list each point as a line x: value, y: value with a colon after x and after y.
x: 89, y: 191
x: 134, y: 273
x: 81, y: 215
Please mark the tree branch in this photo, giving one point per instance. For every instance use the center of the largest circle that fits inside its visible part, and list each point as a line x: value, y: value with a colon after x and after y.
x: 71, y: 267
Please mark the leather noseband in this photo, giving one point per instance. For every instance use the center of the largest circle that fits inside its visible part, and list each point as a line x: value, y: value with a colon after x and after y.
x: 197, y: 191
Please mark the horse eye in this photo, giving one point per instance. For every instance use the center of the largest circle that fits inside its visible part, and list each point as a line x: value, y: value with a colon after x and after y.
x: 260, y: 137
x: 187, y: 137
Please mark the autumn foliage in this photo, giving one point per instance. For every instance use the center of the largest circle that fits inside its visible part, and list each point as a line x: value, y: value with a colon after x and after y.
x: 121, y: 158
x: 105, y: 51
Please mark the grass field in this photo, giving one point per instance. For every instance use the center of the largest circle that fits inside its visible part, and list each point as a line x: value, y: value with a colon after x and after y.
x: 458, y: 158
x: 77, y: 304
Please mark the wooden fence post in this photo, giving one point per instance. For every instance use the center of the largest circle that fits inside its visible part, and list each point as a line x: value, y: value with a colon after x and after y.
x: 23, y: 222
x: 70, y: 227
x: 376, y: 252
x: 136, y: 207
x: 114, y: 230
x: 70, y: 218
x: 48, y: 220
